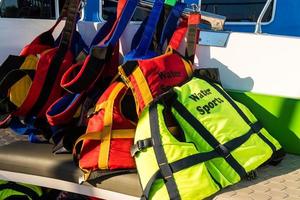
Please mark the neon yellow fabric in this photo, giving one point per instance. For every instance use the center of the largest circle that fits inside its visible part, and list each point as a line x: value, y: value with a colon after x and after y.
x: 19, y: 90
x: 191, y: 182
x: 223, y: 121
x: 9, y: 192
x: 220, y: 118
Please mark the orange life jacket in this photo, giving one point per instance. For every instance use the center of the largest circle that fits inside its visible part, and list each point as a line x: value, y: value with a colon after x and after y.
x: 149, y: 78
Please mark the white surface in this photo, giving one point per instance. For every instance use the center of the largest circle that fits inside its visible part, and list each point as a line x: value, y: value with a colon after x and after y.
x: 16, y: 33
x: 63, y: 185
x: 266, y: 64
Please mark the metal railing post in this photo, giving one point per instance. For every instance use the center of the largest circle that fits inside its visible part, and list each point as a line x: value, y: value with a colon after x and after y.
x: 262, y: 14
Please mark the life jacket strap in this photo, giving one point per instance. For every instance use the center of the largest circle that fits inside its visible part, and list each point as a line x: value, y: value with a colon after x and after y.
x: 140, y: 145
x: 208, y: 137
x: 160, y: 155
x: 192, y: 35
x: 247, y: 120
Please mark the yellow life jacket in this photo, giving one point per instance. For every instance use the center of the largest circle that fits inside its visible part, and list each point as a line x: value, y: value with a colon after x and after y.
x: 224, y: 143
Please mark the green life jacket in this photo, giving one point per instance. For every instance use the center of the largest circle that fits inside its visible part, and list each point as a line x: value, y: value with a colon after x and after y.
x: 13, y: 191
x: 224, y: 143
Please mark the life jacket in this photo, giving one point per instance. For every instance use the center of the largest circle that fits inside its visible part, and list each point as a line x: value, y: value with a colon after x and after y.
x: 101, y: 153
x: 43, y: 79
x: 15, y: 191
x: 223, y: 143
x: 27, y: 61
x: 149, y: 78
x: 109, y: 135
x: 67, y: 116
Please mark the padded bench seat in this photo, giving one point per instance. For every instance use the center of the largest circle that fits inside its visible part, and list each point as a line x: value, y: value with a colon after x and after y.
x: 38, y: 160
x: 32, y: 161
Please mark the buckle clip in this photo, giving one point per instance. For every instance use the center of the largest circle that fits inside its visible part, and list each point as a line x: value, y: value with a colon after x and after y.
x: 251, y: 175
x: 140, y: 145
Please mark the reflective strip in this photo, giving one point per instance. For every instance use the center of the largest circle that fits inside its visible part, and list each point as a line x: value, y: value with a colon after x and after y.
x: 108, y: 120
x: 142, y: 86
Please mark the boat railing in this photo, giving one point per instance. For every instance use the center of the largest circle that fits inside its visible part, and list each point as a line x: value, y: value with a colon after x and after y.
x: 258, y: 29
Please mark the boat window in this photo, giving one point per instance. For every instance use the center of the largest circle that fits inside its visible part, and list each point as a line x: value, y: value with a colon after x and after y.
x: 234, y: 10
x: 109, y: 9
x: 38, y: 9
x: 238, y: 10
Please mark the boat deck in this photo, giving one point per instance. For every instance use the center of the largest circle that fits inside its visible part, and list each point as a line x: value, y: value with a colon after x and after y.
x: 35, y: 164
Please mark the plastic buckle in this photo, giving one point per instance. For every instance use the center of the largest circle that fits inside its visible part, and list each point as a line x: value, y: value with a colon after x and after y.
x: 223, y: 151
x: 251, y: 175
x: 91, y: 112
x: 137, y: 147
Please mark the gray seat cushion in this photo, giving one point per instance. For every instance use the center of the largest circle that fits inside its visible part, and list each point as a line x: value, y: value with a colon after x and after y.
x: 37, y: 159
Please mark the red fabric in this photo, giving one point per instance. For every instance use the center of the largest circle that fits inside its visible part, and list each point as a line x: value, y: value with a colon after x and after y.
x: 119, y: 153
x: 65, y: 116
x: 194, y: 19
x: 89, y: 155
x: 178, y: 35
x: 161, y: 74
x: 35, y: 47
x: 39, y: 80
x: 72, y: 74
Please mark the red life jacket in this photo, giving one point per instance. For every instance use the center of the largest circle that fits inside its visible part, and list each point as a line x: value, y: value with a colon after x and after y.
x: 83, y: 79
x: 109, y: 136
x: 151, y: 77
x: 45, y: 67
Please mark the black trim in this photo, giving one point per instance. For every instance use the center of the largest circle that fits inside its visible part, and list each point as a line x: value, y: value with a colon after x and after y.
x: 208, y: 137
x: 129, y: 67
x: 12, y: 62
x: 92, y: 70
x: 20, y: 188
x: 160, y: 155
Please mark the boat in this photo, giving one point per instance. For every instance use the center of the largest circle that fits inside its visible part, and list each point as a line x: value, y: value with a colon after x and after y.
x: 258, y: 63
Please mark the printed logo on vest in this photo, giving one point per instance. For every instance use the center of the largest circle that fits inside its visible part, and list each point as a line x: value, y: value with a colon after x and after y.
x: 168, y: 75
x: 211, y: 105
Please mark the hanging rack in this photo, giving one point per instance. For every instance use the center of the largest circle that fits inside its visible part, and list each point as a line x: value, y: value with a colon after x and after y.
x: 215, y: 21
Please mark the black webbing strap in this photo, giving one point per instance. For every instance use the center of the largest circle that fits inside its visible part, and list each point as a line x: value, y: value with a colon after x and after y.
x: 11, y: 63
x: 129, y: 67
x: 195, y: 159
x: 160, y: 155
x: 20, y: 188
x: 58, y: 57
x: 243, y: 116
x: 209, y: 138
x: 140, y: 145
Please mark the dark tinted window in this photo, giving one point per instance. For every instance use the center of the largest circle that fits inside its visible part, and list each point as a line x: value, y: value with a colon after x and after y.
x: 238, y: 10
x: 109, y: 8
x: 41, y: 9
x: 234, y: 10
